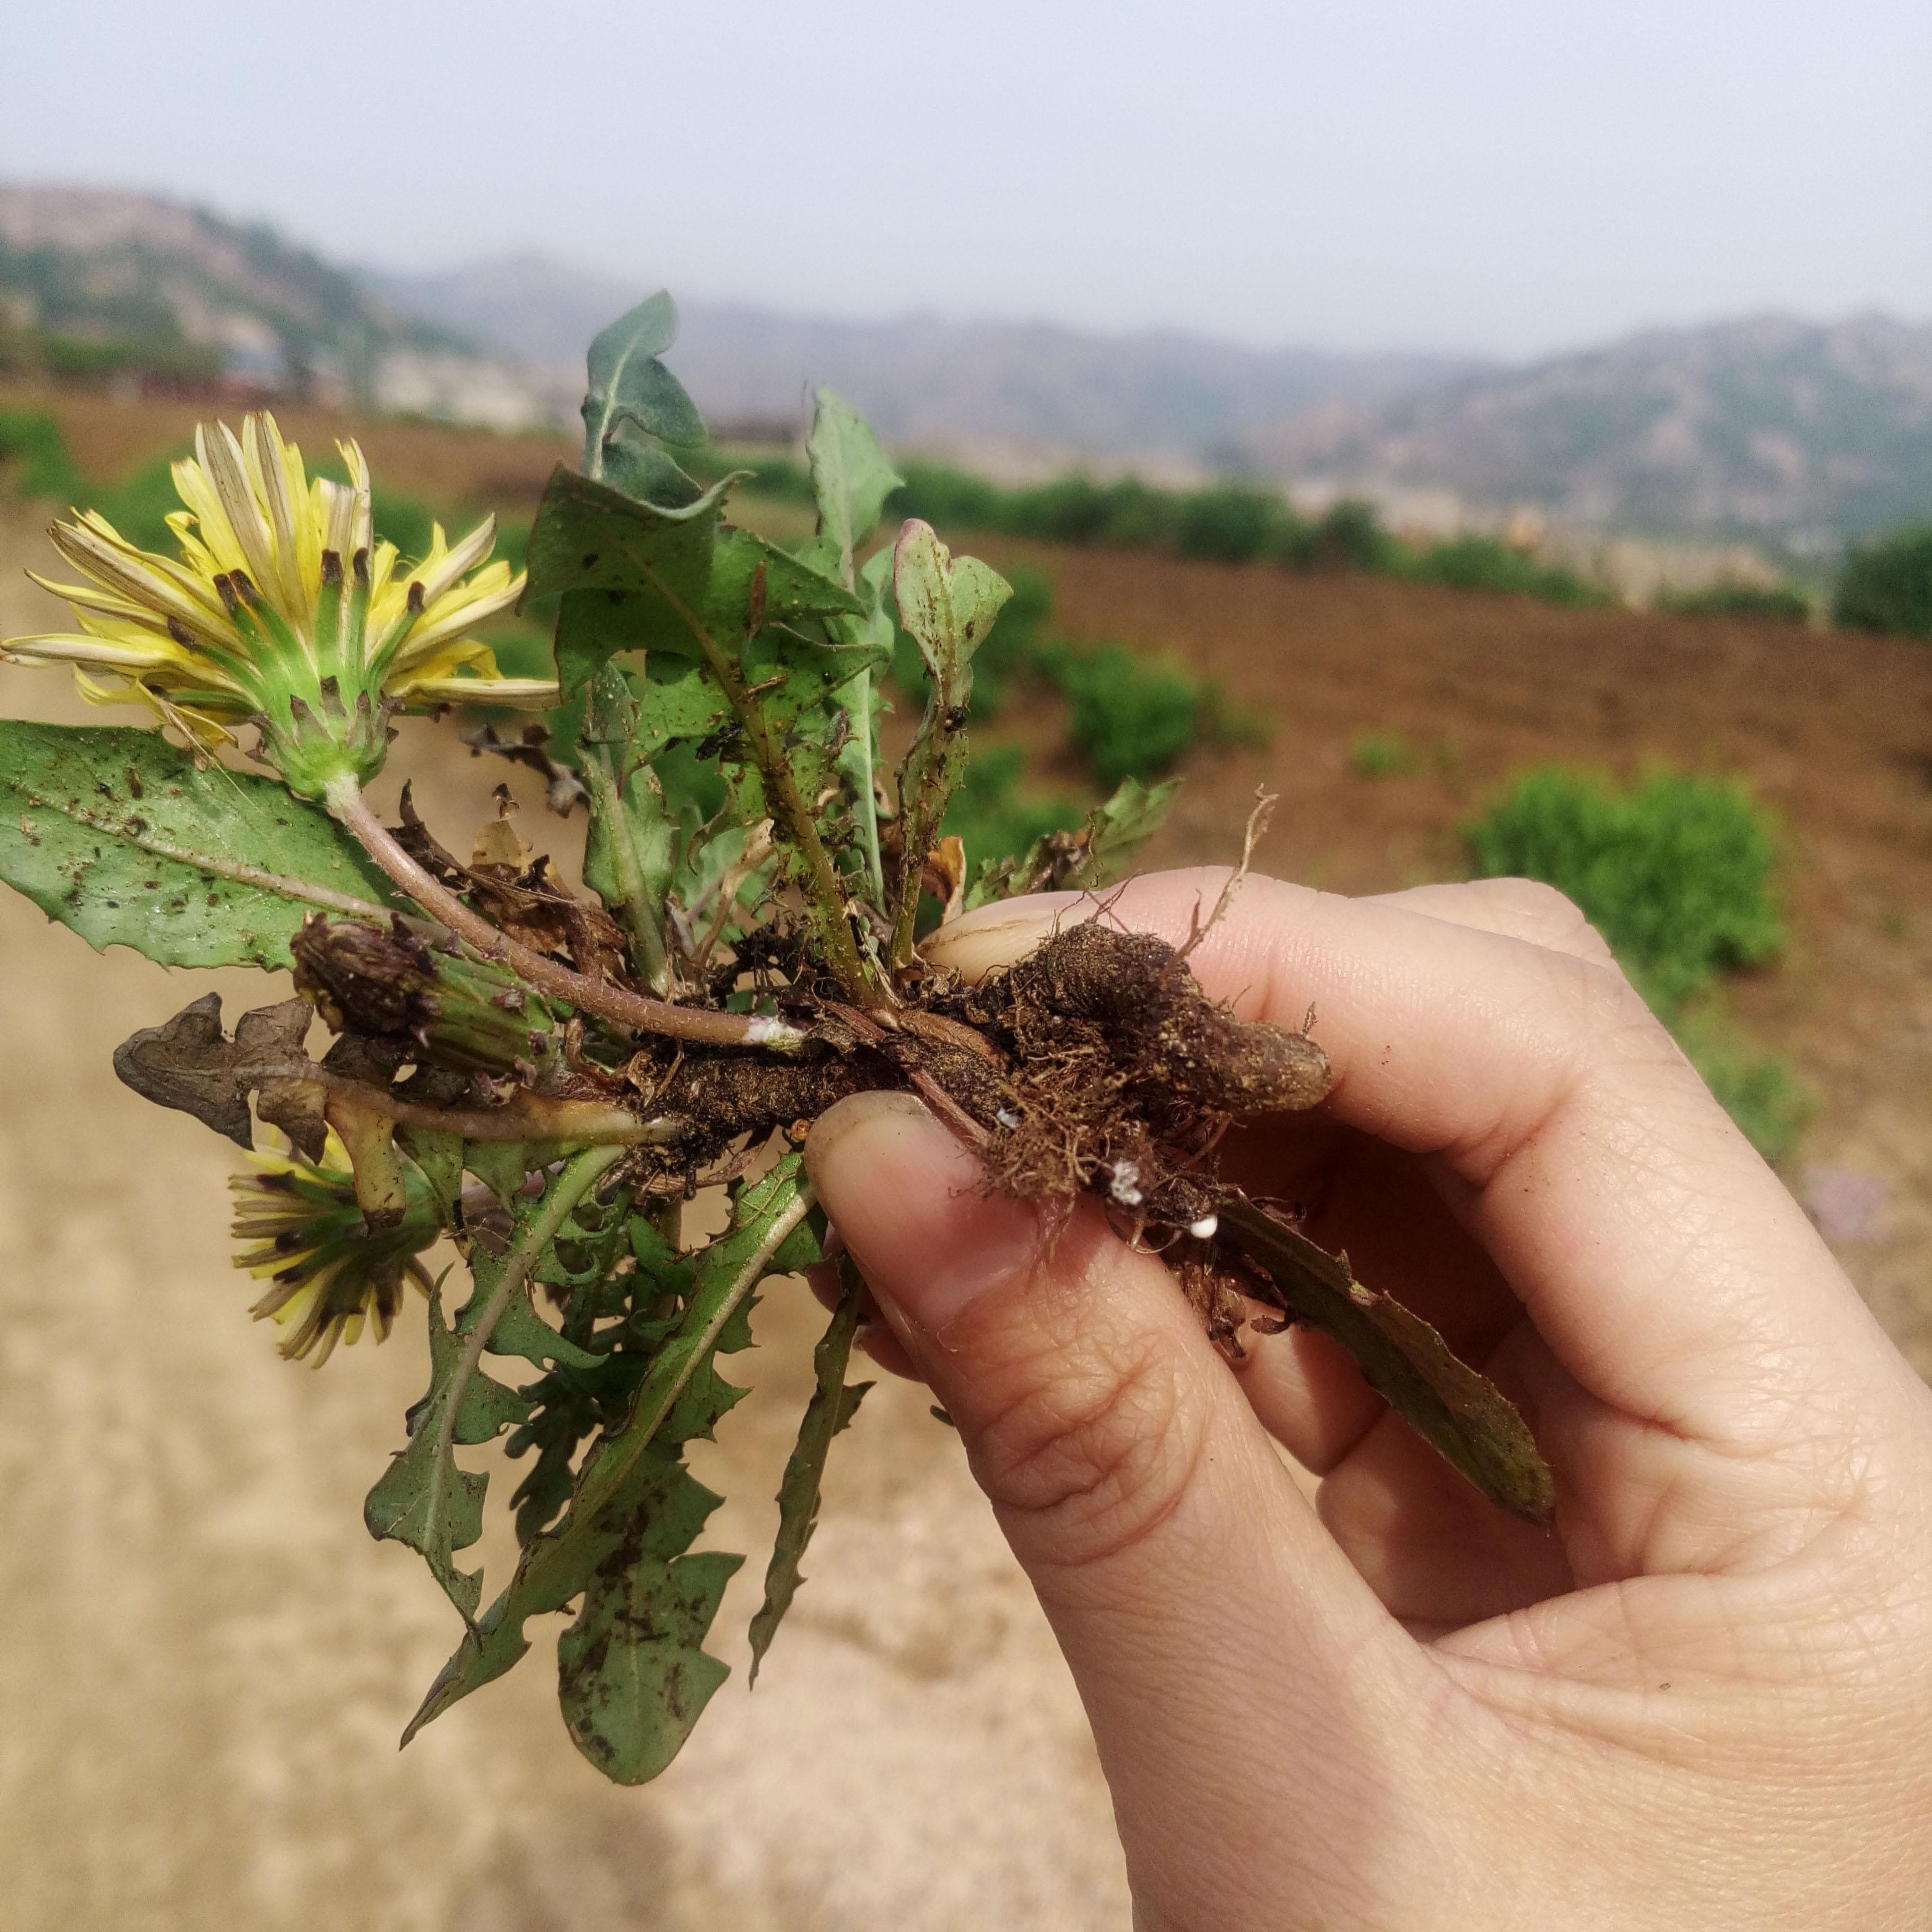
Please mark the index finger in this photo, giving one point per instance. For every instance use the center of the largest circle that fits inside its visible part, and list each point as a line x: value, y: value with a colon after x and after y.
x: 1662, y: 1261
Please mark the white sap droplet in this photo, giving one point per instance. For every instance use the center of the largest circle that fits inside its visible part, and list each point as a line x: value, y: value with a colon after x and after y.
x: 1203, y: 1230
x: 762, y: 1030
x: 1126, y: 1188
x: 1007, y: 1118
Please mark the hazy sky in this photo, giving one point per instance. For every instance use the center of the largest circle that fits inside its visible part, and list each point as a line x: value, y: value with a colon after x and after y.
x: 1508, y: 175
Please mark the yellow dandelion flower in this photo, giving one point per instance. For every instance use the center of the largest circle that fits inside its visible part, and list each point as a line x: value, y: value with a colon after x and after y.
x: 283, y: 610
x: 330, y: 1273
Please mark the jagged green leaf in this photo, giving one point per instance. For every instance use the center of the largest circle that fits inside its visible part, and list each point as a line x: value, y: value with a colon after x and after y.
x: 832, y: 1406
x: 114, y: 833
x: 1459, y: 1412
x: 425, y: 1498
x: 680, y: 1395
x: 571, y: 1404
x: 521, y: 1330
x: 439, y: 1155
x: 500, y: 1165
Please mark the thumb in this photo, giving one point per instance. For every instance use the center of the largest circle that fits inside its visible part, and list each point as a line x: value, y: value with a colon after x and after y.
x: 1187, y: 1580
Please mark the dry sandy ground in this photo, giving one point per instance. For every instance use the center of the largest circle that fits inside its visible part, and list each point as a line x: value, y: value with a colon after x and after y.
x: 207, y: 1661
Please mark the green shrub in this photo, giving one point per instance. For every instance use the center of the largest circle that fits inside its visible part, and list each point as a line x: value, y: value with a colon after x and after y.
x: 1131, y: 717
x: 1886, y: 585
x: 1350, y: 536
x: 1380, y: 755
x: 33, y: 457
x: 1758, y: 603
x: 995, y: 821
x: 1231, y: 524
x: 947, y: 498
x: 1482, y: 563
x: 1223, y: 720
x: 1676, y: 874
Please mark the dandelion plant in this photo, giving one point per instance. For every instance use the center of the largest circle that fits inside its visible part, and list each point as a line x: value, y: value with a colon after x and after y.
x: 540, y: 1072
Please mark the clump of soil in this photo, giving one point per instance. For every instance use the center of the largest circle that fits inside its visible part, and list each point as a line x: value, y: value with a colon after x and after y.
x: 1123, y: 1076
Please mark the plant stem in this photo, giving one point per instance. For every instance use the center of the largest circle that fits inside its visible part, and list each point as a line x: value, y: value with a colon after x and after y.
x: 823, y: 893
x: 634, y: 906
x: 868, y: 803
x: 524, y: 1117
x: 637, y: 1011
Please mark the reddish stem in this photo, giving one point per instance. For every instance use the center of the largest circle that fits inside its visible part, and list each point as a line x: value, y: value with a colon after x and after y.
x: 637, y: 1011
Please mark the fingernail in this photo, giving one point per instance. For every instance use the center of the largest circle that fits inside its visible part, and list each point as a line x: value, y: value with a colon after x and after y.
x: 909, y: 1201
x: 973, y: 945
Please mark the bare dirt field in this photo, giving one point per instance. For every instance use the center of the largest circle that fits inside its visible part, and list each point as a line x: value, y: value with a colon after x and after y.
x: 207, y: 1661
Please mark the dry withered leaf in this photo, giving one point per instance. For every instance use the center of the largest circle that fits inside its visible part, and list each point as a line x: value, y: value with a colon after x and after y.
x: 188, y: 1063
x: 945, y: 875
x: 566, y: 790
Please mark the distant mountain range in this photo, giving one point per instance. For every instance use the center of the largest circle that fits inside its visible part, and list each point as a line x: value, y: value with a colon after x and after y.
x: 1769, y: 430
x: 924, y: 380
x: 1763, y: 427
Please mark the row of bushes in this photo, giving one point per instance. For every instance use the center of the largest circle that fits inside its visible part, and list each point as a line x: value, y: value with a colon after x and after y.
x: 1230, y: 522
x: 1885, y: 585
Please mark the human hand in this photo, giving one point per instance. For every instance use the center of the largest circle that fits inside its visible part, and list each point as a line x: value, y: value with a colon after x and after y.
x: 1704, y: 1700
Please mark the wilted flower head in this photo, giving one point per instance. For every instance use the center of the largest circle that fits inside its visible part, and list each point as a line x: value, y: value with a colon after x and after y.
x: 283, y: 609
x: 330, y: 1272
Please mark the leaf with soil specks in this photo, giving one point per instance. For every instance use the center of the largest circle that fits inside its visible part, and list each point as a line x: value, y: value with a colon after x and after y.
x: 1459, y: 1412
x: 633, y: 1676
x: 629, y: 1496
x: 114, y: 833
x: 832, y: 1406
x: 187, y: 1063
x: 948, y: 604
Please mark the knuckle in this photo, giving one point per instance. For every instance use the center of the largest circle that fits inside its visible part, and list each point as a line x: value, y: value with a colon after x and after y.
x: 1093, y: 1456
x: 1546, y: 916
